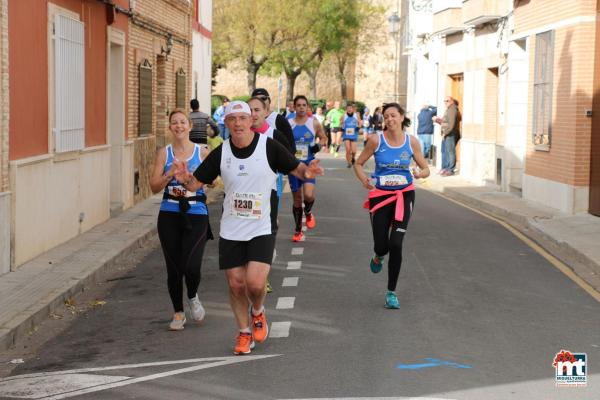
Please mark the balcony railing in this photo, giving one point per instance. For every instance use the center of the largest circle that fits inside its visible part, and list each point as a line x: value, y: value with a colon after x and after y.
x: 478, y: 12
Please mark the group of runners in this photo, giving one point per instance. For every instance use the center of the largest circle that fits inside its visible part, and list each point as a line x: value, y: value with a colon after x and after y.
x: 263, y: 147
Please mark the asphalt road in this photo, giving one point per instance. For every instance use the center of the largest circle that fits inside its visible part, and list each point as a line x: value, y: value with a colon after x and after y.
x: 482, y: 316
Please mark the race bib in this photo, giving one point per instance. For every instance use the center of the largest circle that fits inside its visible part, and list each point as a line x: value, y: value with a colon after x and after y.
x: 246, y: 205
x: 301, y: 151
x: 350, y: 131
x: 393, y: 180
x: 179, y: 191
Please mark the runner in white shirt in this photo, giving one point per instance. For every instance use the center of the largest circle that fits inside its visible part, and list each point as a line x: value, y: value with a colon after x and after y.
x: 248, y: 163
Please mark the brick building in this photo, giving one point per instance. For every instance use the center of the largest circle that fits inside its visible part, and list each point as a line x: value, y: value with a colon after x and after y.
x: 159, y: 65
x: 67, y: 119
x: 523, y: 73
x: 4, y: 118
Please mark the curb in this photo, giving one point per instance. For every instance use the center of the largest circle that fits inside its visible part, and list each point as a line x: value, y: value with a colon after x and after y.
x: 83, y: 261
x: 583, y: 266
x: 22, y: 327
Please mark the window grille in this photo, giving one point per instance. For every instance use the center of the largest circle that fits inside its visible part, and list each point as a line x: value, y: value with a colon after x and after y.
x: 180, y: 86
x: 69, y: 84
x: 542, y: 90
x: 145, y: 98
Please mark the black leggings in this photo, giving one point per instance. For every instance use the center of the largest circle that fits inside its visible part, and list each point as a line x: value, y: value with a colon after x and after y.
x: 183, y: 249
x: 388, y: 234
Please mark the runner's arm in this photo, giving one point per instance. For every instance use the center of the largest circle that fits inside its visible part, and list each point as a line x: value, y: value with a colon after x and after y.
x: 282, y: 125
x: 320, y: 133
x: 205, y: 173
x: 281, y: 138
x: 158, y: 180
x: 419, y: 159
x: 368, y: 151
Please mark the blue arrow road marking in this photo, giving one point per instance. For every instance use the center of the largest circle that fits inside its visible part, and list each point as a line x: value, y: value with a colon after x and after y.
x: 433, y: 362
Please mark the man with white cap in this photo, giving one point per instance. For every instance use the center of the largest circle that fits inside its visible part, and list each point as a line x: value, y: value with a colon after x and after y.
x: 248, y: 163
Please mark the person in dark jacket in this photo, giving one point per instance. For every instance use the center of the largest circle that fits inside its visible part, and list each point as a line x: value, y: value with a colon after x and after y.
x: 275, y: 119
x: 200, y: 121
x: 376, y: 120
x: 425, y: 128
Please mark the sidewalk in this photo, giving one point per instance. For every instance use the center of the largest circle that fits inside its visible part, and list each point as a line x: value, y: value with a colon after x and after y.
x: 573, y: 239
x: 37, y: 288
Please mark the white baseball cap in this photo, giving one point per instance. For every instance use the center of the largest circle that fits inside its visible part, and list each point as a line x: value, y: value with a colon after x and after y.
x: 237, y: 106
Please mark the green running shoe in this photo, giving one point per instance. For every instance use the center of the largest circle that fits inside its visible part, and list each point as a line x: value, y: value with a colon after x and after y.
x: 391, y: 301
x: 376, y: 265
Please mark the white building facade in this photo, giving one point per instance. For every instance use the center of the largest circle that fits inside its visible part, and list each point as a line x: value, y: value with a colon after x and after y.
x: 202, y: 53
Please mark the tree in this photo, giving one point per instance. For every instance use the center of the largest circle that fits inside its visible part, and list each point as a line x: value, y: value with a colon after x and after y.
x: 308, y: 33
x: 311, y: 70
x: 246, y: 31
x: 359, y: 18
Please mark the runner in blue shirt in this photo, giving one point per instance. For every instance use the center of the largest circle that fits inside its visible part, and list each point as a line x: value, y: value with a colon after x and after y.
x: 350, y: 126
x: 391, y: 192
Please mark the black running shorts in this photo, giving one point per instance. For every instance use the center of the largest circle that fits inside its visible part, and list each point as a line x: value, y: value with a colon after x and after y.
x: 237, y: 253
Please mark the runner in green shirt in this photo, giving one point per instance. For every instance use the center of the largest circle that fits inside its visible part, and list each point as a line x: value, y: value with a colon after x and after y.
x: 334, y: 116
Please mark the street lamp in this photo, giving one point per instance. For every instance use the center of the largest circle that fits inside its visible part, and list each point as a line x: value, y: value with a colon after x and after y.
x: 394, y: 24
x: 394, y: 29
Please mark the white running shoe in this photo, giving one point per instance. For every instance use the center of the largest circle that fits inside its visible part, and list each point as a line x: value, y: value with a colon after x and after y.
x: 196, y: 309
x: 178, y: 322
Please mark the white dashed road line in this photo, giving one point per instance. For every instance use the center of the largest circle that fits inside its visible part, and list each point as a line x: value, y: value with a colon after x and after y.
x: 294, y: 264
x: 285, y: 303
x: 280, y: 329
x: 297, y: 251
x: 290, y: 281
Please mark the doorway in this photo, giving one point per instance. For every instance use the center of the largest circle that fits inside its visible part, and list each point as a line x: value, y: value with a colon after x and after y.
x: 115, y: 116
x: 456, y: 90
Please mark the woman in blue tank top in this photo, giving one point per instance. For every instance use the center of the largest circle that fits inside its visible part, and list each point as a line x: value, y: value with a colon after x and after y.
x: 183, y: 226
x: 350, y: 127
x: 392, y: 194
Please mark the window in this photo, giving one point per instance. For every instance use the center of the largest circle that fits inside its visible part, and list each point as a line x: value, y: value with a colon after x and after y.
x: 180, y: 86
x: 69, y: 84
x: 145, y: 98
x: 542, y: 90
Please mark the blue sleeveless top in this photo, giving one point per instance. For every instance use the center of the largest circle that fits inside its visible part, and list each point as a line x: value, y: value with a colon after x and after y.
x: 304, y: 136
x: 350, y: 127
x: 176, y: 189
x: 392, y: 164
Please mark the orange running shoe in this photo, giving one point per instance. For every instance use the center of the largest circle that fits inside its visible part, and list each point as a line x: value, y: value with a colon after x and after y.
x: 311, y: 221
x: 260, y: 328
x: 297, y: 236
x: 244, y: 344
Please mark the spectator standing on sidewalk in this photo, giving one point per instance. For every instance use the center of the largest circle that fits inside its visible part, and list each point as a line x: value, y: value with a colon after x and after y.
x: 450, y: 135
x: 200, y: 121
x: 425, y: 128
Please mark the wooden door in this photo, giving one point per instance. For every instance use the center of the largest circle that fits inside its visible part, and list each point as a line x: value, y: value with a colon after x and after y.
x: 457, y: 84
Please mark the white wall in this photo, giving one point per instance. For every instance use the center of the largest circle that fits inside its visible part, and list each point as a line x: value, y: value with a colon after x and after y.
x: 566, y: 198
x: 50, y: 193
x: 201, y: 70
x: 201, y: 58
